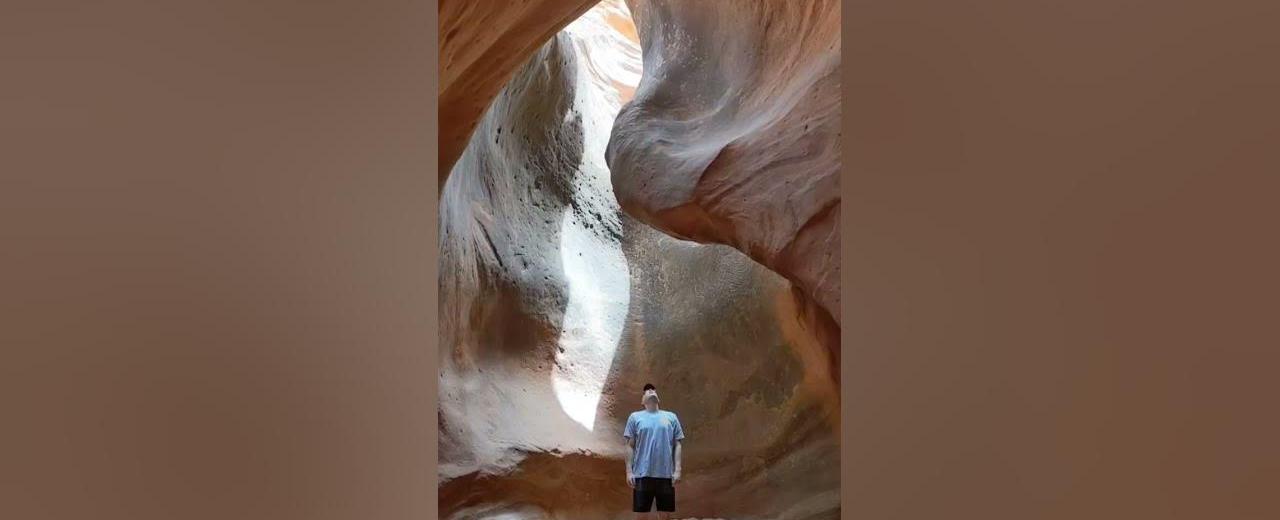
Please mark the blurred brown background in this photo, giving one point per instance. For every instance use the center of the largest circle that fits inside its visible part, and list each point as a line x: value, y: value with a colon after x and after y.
x: 1062, y: 245
x: 216, y: 288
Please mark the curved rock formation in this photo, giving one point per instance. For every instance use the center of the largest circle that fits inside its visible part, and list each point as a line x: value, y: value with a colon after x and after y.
x: 556, y: 308
x: 481, y: 46
x: 732, y: 136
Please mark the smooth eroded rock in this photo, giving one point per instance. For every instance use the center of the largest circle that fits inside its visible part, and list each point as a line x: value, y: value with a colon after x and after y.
x: 733, y: 134
x: 482, y: 43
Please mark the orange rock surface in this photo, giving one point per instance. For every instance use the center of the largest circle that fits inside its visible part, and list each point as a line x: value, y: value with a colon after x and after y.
x: 732, y: 136
x: 482, y: 43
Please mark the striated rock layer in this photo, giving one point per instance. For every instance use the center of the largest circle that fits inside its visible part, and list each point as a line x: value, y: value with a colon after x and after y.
x: 556, y: 308
x: 482, y: 43
x: 732, y: 136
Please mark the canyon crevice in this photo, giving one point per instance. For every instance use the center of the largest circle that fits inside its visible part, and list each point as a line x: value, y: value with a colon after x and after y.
x: 557, y: 305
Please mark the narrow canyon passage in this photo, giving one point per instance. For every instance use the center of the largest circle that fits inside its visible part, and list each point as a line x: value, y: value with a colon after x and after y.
x: 557, y: 306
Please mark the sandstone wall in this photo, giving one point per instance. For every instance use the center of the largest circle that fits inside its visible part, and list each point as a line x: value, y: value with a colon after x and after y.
x: 732, y: 136
x: 482, y: 43
x: 556, y: 307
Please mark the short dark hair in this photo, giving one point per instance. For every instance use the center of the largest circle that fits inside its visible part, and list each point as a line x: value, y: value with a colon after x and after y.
x: 649, y: 386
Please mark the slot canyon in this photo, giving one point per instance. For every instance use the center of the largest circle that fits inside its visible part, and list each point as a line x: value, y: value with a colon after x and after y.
x: 635, y: 192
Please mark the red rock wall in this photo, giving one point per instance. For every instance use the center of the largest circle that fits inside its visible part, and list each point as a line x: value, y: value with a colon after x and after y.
x: 482, y: 43
x: 732, y: 136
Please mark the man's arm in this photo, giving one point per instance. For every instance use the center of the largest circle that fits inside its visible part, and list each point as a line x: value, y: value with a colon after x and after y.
x: 631, y: 452
x: 677, y: 436
x: 629, y: 432
x: 675, y: 476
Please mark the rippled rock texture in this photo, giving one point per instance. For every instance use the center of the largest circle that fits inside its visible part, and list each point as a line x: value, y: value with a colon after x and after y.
x: 557, y: 307
x: 732, y: 136
x: 482, y: 43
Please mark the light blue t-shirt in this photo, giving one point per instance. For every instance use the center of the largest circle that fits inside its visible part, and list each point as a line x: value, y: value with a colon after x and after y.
x: 656, y: 434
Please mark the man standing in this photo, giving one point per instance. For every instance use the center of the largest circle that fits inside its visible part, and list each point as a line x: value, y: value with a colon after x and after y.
x: 653, y: 456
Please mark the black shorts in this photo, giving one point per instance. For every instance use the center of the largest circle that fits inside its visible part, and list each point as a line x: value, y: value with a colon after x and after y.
x: 649, y: 489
